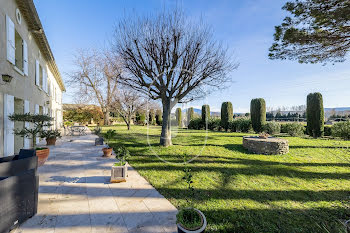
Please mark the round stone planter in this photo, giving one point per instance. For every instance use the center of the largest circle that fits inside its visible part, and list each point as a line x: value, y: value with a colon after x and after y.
x: 181, y: 229
x: 267, y: 146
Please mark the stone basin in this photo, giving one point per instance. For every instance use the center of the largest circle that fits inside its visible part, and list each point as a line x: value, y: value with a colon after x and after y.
x: 266, y: 146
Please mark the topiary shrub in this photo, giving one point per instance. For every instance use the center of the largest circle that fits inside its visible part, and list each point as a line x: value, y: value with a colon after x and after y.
x: 272, y: 127
x: 196, y: 123
x: 226, y: 114
x: 152, y: 117
x: 258, y: 114
x: 178, y: 117
x: 190, y: 115
x: 214, y: 124
x: 294, y: 129
x: 140, y: 118
x: 159, y: 117
x: 315, y: 115
x: 205, y: 113
x: 342, y: 130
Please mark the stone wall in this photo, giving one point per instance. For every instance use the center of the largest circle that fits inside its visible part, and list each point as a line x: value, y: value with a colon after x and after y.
x: 268, y: 146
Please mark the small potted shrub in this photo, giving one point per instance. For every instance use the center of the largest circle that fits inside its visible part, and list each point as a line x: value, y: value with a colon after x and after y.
x: 119, y: 170
x: 51, y: 136
x: 108, y: 136
x: 38, y: 123
x: 190, y: 220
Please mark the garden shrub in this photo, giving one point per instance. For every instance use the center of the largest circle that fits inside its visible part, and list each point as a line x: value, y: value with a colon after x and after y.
x: 342, y: 130
x: 179, y: 117
x: 205, y: 113
x: 232, y: 125
x: 327, y: 130
x: 293, y: 129
x: 214, y: 124
x: 272, y: 127
x: 196, y: 123
x: 159, y: 117
x: 315, y: 115
x: 258, y: 114
x: 152, y: 117
x: 190, y: 114
x: 243, y: 125
x: 226, y: 114
x: 140, y: 118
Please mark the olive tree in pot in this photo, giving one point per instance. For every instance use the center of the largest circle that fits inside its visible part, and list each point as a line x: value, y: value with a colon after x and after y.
x: 35, y: 128
x: 119, y: 170
x: 51, y: 136
x: 108, y: 136
x: 189, y: 219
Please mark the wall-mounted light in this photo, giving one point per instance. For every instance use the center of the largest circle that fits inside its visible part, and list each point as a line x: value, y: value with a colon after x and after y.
x: 7, y: 78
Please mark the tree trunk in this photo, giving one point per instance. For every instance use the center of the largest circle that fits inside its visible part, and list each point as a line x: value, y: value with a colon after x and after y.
x: 165, y: 137
x: 106, y: 118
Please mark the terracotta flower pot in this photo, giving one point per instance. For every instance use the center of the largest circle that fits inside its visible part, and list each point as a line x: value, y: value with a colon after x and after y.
x: 42, y: 155
x: 50, y: 141
x: 107, y: 152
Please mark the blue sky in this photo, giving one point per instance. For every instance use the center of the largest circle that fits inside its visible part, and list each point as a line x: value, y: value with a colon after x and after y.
x: 245, y: 26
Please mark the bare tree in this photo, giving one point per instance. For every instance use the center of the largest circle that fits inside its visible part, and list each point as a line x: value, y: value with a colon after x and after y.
x: 96, y: 77
x: 170, y: 59
x: 126, y: 103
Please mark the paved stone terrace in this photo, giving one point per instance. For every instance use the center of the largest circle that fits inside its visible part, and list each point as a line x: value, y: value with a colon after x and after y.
x: 75, y: 195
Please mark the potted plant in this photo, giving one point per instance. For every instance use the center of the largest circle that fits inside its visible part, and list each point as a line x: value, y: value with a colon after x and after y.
x: 51, y: 136
x: 37, y: 124
x: 119, y: 170
x: 108, y: 136
x: 189, y: 219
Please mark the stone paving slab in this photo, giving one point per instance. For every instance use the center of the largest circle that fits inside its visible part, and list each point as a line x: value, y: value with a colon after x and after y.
x: 75, y: 195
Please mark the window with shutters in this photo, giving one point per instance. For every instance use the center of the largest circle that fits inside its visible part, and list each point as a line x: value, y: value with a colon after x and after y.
x: 41, y: 78
x: 19, y: 52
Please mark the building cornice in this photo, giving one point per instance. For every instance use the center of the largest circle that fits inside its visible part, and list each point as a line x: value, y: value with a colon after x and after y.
x: 31, y: 16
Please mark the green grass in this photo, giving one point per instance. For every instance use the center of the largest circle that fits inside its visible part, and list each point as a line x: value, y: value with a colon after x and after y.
x: 307, y: 190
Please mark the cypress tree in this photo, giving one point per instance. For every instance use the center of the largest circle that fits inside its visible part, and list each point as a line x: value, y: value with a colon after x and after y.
x: 152, y: 116
x: 190, y: 115
x: 258, y: 114
x: 179, y: 117
x: 205, y: 113
x: 159, y: 117
x: 226, y: 114
x: 315, y: 115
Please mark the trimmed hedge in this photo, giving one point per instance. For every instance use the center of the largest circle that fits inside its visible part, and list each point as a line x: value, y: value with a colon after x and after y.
x: 272, y: 127
x: 214, y: 124
x: 258, y: 114
x: 205, y: 113
x: 196, y: 123
x: 190, y: 114
x: 226, y: 114
x: 179, y: 117
x: 327, y: 130
x: 293, y: 129
x: 240, y: 125
x: 315, y: 115
x: 342, y: 130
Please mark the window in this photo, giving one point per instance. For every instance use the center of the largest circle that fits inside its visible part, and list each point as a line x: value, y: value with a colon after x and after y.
x: 41, y: 76
x: 18, y: 51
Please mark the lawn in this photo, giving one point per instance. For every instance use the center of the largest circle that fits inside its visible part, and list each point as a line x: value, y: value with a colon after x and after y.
x: 307, y: 190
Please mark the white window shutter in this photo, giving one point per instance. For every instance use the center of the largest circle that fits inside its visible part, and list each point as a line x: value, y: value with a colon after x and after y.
x: 26, y: 124
x: 10, y: 36
x: 25, y: 58
x: 37, y: 75
x: 44, y: 79
x: 9, y: 137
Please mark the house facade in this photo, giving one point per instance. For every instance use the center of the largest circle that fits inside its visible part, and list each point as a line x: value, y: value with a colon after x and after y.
x: 29, y: 78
